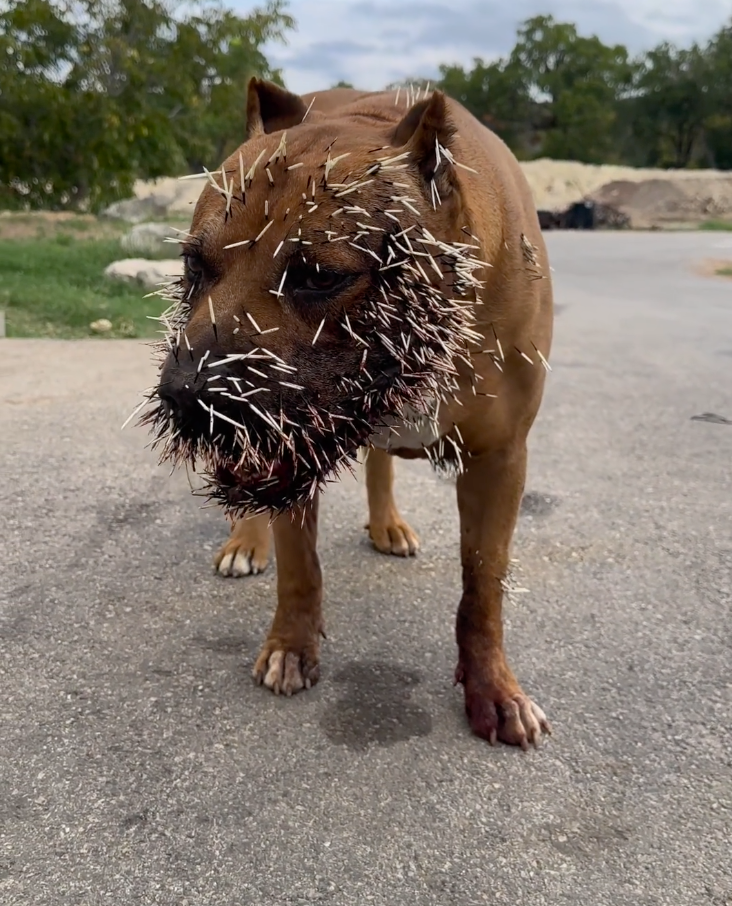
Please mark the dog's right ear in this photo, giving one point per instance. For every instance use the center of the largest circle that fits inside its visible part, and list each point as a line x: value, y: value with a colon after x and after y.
x: 424, y: 129
x: 271, y: 108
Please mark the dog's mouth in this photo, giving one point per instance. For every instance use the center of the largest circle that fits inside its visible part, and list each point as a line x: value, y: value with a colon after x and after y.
x: 239, y: 488
x: 259, y: 459
x: 232, y: 477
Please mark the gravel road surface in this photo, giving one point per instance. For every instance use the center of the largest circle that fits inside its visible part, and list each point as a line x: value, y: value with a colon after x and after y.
x: 138, y: 763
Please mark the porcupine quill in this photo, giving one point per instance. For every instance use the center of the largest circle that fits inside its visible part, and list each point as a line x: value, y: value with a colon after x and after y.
x: 268, y: 443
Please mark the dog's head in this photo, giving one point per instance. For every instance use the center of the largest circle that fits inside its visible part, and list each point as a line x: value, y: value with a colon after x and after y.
x: 329, y: 285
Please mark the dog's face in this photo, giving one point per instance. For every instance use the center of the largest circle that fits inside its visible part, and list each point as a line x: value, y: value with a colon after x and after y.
x: 328, y: 284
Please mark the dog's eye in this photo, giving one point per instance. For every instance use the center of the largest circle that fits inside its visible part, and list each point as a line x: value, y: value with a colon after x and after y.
x: 322, y: 281
x: 192, y: 264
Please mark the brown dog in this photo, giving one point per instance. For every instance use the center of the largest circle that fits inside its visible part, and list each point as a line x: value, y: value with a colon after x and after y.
x: 366, y: 270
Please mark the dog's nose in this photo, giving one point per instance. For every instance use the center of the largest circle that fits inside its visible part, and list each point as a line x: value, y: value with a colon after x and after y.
x: 170, y: 403
x: 177, y: 391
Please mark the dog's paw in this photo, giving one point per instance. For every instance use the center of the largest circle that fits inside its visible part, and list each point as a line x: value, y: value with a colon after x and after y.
x: 285, y: 670
x: 233, y: 560
x: 393, y: 536
x: 501, y: 711
x: 246, y: 552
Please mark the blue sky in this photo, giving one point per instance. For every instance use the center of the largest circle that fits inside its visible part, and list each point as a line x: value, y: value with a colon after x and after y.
x: 374, y: 42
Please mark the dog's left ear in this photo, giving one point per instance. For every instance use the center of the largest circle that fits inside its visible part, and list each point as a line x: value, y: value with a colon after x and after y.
x: 271, y: 108
x: 424, y: 127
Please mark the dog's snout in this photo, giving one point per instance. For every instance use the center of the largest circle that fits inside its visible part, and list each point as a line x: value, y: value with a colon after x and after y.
x: 170, y: 403
x: 178, y: 391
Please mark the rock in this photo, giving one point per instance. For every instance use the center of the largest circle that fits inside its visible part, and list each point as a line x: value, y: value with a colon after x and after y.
x: 135, y: 210
x: 149, y: 274
x: 148, y: 239
x: 103, y: 325
x: 157, y: 199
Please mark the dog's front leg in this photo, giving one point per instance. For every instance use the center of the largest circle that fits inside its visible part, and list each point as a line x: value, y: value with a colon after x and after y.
x: 290, y: 658
x: 247, y: 550
x: 389, y: 533
x: 489, y: 495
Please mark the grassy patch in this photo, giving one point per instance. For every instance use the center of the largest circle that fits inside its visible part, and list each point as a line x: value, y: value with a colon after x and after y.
x: 724, y: 271
x: 717, y: 225
x: 55, y: 287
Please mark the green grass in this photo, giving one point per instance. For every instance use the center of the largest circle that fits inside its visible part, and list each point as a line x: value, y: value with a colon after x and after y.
x: 724, y: 272
x: 55, y: 287
x: 718, y: 225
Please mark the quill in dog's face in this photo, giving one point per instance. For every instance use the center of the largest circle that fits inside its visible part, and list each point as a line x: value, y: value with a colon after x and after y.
x: 329, y: 287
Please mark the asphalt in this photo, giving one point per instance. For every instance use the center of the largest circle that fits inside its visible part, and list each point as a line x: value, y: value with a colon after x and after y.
x: 138, y: 763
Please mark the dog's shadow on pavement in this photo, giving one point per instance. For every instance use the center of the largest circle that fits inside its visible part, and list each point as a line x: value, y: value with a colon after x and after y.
x: 374, y: 707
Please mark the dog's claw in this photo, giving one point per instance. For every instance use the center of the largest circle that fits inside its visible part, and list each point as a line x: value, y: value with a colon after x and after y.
x: 393, y: 536
x: 286, y: 672
x: 498, y: 713
x: 246, y: 551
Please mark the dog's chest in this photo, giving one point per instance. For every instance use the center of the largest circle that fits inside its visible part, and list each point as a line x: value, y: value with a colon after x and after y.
x: 416, y: 431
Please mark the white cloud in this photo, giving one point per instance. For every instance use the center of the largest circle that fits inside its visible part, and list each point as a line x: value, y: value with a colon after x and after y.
x: 373, y: 42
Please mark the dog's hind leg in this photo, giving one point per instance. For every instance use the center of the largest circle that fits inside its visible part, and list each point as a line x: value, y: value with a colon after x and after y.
x: 389, y: 533
x: 246, y: 552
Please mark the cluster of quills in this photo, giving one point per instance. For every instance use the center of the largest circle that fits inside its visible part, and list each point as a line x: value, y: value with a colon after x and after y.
x: 272, y: 443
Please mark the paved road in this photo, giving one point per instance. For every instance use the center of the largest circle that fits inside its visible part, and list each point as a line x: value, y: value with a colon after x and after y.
x: 138, y: 764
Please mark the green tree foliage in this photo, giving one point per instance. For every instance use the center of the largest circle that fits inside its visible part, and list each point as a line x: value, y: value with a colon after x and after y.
x: 563, y: 95
x: 495, y: 93
x: 718, y: 126
x: 556, y: 94
x: 96, y: 93
x: 672, y: 104
x: 682, y: 104
x: 577, y: 81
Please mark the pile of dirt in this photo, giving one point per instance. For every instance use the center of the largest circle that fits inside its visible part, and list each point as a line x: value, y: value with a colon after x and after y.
x: 665, y: 202
x: 649, y: 197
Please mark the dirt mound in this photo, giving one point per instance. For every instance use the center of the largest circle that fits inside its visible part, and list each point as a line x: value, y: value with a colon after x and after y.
x: 659, y: 202
x: 648, y: 197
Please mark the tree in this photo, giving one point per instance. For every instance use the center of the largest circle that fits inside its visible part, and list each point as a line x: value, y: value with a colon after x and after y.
x: 576, y: 83
x: 718, y: 125
x: 673, y: 102
x: 96, y: 93
x: 494, y: 93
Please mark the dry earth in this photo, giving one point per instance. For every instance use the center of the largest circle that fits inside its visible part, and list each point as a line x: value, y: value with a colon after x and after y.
x: 558, y: 183
x: 650, y: 197
x: 715, y: 267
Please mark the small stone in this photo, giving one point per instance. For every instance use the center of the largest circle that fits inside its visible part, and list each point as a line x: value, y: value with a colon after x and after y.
x: 103, y: 325
x: 149, y: 239
x: 150, y: 274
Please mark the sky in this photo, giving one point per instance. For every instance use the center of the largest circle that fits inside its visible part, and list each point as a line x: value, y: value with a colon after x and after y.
x: 373, y: 42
